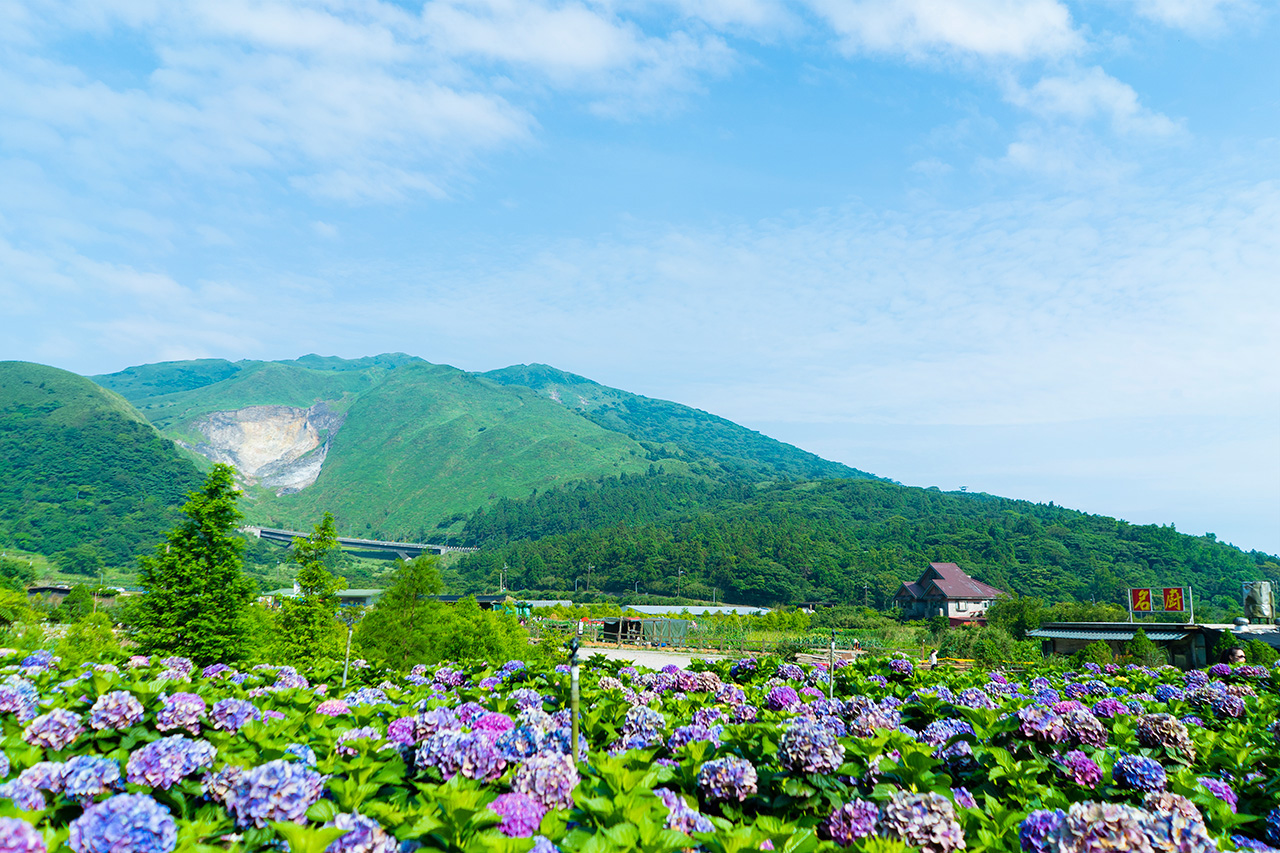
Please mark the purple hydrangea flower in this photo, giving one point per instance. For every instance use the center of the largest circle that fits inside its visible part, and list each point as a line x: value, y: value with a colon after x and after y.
x: 478, y: 757
x: 641, y: 729
x: 25, y: 798
x: 728, y: 778
x: 447, y: 677
x: 964, y: 798
x: 218, y: 784
x: 364, y: 835
x: 1084, y: 728
x: 1043, y: 724
x: 974, y: 697
x: 1139, y: 773
x: 1084, y: 771
x: 549, y: 778
x: 1219, y: 789
x: 810, y: 747
x: 86, y: 776
x: 1041, y: 831
x: 937, y: 733
x: 901, y: 668
x: 685, y: 735
x: 278, y: 790
x: 126, y: 823
x: 118, y: 709
x: 401, y: 731
x: 852, y: 821
x: 927, y: 821
x: 1168, y: 693
x: 364, y: 733
x: 782, y: 697
x: 18, y: 836
x: 181, y: 711
x: 55, y: 730
x: 1108, y: 707
x: 19, y: 697
x: 681, y: 816
x: 165, y: 762
x: 493, y: 722
x: 232, y: 714
x: 521, y: 814
x: 43, y: 775
x: 790, y: 672
x: 744, y: 668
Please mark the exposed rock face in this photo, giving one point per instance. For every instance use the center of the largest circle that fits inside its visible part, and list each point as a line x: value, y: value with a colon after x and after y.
x: 280, y: 447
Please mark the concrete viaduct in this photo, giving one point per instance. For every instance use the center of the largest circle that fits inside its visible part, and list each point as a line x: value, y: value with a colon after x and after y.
x: 405, y: 550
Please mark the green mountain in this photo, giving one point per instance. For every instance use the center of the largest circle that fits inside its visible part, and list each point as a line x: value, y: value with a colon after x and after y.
x: 850, y: 541
x: 83, y: 476
x: 397, y: 447
x: 699, y: 435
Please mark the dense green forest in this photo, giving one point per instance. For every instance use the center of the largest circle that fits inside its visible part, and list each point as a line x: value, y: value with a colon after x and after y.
x: 850, y: 541
x: 82, y: 477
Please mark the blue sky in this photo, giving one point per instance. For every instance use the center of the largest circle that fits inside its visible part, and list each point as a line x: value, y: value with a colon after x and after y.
x: 1031, y: 247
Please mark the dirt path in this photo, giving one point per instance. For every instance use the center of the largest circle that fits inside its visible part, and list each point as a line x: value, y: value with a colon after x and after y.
x: 652, y: 658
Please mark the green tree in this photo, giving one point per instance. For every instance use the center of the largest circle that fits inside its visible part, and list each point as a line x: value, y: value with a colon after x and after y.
x: 196, y: 589
x: 82, y: 559
x: 1145, y: 652
x: 308, y: 629
x: 1096, y: 652
x: 1016, y: 614
x: 16, y: 574
x: 77, y: 604
x: 394, y: 631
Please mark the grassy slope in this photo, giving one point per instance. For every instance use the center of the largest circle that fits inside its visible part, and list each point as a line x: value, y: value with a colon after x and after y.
x: 79, y: 465
x: 430, y: 441
x: 736, y: 449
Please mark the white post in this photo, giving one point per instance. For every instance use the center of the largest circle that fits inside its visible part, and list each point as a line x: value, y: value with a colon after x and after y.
x: 1191, y: 603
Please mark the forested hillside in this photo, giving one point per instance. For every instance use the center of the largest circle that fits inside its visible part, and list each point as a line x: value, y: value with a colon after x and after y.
x: 699, y: 436
x: 82, y: 477
x: 840, y: 540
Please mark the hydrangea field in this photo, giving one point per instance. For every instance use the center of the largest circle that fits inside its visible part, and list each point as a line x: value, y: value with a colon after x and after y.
x: 157, y: 755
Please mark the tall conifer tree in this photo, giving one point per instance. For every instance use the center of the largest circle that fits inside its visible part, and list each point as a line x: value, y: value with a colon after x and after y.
x: 196, y: 589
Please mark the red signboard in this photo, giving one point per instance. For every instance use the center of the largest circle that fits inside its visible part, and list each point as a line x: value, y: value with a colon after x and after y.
x: 1173, y: 599
x: 1140, y: 600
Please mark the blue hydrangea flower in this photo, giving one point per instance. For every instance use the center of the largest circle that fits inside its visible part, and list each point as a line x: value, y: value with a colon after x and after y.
x: 549, y: 778
x: 25, y: 798
x: 927, y: 821
x: 232, y: 714
x: 366, y: 696
x: 278, y: 790
x: 55, y: 730
x: 118, y: 709
x: 685, y: 735
x: 181, y: 711
x: 18, y: 836
x: 19, y: 697
x: 1041, y: 831
x: 165, y: 762
x: 302, y: 752
x: 937, y: 733
x: 86, y: 776
x: 728, y: 778
x: 126, y: 823
x: 809, y: 747
x: 1139, y: 773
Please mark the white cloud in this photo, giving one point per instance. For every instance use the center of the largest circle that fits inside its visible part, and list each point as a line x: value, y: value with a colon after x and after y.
x: 1082, y: 96
x: 1196, y: 16
x: 986, y: 29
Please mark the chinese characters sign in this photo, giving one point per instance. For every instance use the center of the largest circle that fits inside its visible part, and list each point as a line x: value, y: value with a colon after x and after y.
x: 1169, y: 599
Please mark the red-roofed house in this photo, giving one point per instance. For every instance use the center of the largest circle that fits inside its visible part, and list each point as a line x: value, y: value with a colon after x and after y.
x: 945, y: 590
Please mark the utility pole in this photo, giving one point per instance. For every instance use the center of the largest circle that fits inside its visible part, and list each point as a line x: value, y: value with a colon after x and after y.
x: 502, y: 579
x: 589, y: 568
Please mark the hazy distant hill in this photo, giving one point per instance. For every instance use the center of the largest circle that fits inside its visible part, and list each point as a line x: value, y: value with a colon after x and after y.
x: 80, y: 468
x: 393, y: 444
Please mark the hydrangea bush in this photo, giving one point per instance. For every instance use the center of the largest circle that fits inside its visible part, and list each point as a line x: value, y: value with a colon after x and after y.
x: 158, y: 755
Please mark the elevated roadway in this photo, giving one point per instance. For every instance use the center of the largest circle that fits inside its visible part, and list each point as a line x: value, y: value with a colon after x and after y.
x: 405, y: 550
